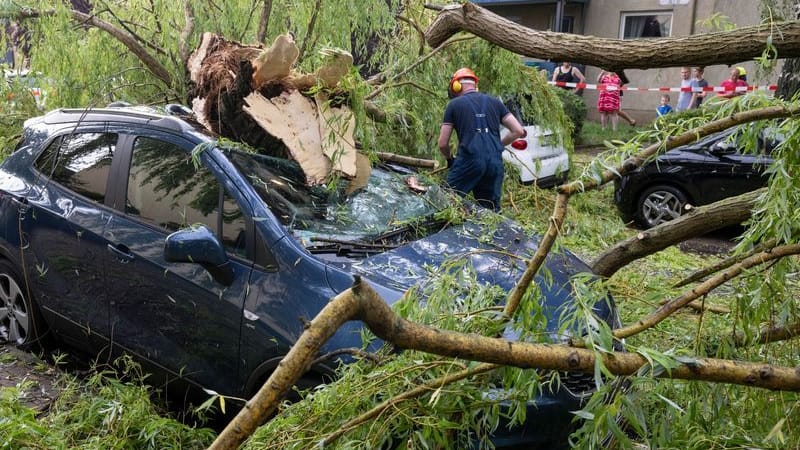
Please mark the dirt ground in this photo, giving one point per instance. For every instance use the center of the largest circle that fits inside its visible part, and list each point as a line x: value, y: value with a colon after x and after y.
x: 24, y: 369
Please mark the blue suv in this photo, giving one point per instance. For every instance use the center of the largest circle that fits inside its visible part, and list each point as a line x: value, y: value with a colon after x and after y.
x: 130, y: 231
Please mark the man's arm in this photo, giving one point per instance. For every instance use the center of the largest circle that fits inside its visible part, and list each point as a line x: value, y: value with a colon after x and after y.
x: 444, y: 140
x: 515, y: 130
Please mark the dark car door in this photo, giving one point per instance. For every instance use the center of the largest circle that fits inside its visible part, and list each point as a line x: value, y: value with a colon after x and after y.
x: 174, y: 314
x: 728, y: 172
x: 64, y: 227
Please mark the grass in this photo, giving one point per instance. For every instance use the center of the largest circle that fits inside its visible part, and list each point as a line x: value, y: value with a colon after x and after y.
x: 592, y: 135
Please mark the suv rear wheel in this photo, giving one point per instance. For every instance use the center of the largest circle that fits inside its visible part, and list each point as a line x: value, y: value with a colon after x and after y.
x: 660, y: 204
x: 19, y: 318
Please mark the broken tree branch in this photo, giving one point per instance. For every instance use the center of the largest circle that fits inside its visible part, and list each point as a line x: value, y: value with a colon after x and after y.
x: 635, y: 161
x: 186, y: 32
x: 698, y: 221
x: 361, y: 302
x: 704, y: 288
x: 152, y: 64
x: 769, y: 334
x: 407, y: 160
x: 413, y: 65
x: 310, y: 31
x: 263, y: 22
x: 724, y: 47
x: 724, y: 264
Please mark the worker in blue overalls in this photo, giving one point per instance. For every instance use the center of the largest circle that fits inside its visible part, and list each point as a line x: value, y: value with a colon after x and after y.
x: 478, y: 165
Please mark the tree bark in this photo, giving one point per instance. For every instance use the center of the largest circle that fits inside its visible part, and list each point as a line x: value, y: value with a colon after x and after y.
x: 699, y: 221
x: 726, y: 47
x: 363, y: 303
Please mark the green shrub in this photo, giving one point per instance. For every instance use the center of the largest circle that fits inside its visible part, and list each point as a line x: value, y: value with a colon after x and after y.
x: 574, y: 107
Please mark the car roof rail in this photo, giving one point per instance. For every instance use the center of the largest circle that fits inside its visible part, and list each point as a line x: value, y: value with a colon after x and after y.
x: 116, y: 114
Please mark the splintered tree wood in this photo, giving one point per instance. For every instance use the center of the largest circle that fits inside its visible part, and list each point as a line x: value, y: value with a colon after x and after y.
x: 336, y: 126
x: 292, y: 118
x: 337, y: 64
x: 275, y: 62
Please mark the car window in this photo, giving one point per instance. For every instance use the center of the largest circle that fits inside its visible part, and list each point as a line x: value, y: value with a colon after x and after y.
x: 80, y: 162
x: 167, y: 190
x: 317, y: 212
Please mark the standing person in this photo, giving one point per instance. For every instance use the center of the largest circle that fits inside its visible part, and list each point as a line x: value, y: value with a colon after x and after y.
x: 729, y: 86
x: 476, y: 117
x: 685, y: 97
x: 567, y: 73
x: 608, y: 101
x: 664, y: 108
x: 700, y: 82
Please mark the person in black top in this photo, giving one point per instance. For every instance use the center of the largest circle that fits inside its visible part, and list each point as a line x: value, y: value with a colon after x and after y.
x: 567, y: 73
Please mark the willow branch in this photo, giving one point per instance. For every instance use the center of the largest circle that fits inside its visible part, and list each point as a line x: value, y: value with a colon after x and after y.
x: 724, y: 264
x: 188, y: 28
x: 363, y: 303
x: 701, y: 307
x: 411, y: 394
x: 536, y: 261
x: 704, y: 288
x: 698, y: 221
x: 635, y: 161
x: 768, y: 335
x: 312, y: 23
x: 263, y: 22
x: 416, y: 63
x: 724, y: 47
x: 419, y: 31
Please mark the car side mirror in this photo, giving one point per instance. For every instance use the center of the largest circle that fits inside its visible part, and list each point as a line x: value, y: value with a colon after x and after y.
x: 199, y: 245
x: 722, y: 147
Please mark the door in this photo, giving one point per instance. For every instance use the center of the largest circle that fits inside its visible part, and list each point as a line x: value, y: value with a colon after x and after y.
x: 66, y: 248
x: 175, y: 315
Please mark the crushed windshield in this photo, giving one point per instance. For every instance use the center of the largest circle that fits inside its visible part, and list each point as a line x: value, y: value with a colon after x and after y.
x: 392, y: 199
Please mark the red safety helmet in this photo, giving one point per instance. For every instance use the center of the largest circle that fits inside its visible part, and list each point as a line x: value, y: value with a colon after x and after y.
x: 464, y: 72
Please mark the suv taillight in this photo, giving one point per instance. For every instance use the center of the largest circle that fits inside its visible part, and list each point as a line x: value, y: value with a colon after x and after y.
x: 519, y: 144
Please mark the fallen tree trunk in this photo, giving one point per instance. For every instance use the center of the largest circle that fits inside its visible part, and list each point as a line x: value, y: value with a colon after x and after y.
x: 363, y: 303
x: 725, y: 47
x: 697, y: 222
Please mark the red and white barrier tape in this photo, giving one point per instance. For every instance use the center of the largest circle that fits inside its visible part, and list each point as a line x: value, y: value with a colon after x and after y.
x: 614, y: 87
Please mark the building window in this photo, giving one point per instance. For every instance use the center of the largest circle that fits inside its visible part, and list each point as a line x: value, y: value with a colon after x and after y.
x: 645, y: 25
x: 567, y: 24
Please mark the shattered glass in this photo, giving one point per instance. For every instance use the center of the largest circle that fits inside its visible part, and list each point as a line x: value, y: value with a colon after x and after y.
x: 394, y: 198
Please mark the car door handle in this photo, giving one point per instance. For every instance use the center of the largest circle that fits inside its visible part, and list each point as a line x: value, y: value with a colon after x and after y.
x: 122, y: 252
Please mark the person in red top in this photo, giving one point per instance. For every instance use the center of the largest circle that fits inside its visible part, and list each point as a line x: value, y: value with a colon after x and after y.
x: 731, y: 84
x: 608, y: 100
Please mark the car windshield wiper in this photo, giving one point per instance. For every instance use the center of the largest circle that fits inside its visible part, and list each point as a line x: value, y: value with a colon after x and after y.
x: 344, y: 247
x: 425, y: 224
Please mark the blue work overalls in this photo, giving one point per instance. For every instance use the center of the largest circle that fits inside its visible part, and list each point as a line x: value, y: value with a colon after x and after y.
x: 478, y: 167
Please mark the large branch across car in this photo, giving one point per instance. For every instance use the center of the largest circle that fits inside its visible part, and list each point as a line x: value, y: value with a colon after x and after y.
x: 614, y: 87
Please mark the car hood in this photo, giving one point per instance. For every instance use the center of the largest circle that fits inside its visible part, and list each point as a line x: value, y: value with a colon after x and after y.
x: 498, y: 253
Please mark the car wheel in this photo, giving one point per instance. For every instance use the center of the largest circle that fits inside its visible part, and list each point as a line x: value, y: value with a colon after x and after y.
x: 660, y: 204
x: 19, y: 318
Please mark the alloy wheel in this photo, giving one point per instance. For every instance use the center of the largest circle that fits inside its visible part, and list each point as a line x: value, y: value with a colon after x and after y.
x: 15, y: 319
x: 661, y: 206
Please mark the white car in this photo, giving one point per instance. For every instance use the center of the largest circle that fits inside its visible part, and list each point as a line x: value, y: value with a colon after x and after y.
x: 539, y: 156
x: 25, y: 79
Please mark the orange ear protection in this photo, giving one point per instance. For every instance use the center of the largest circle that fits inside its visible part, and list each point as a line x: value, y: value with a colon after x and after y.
x: 464, y: 72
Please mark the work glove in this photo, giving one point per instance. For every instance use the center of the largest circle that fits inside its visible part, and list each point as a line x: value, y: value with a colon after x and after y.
x: 450, y: 162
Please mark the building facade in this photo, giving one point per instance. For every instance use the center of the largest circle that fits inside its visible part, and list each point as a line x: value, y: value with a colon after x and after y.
x: 638, y: 19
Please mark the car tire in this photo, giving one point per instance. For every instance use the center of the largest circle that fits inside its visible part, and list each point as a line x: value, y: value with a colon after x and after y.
x: 659, y: 204
x: 20, y: 321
